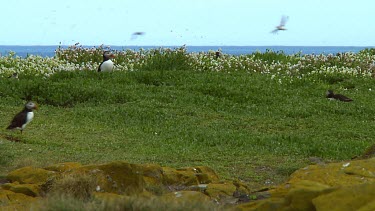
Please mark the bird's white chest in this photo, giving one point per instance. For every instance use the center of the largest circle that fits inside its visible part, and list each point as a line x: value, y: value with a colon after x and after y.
x: 107, y: 66
x: 29, y: 117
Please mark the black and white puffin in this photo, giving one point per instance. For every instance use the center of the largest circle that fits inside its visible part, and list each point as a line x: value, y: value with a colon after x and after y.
x: 24, y: 117
x: 333, y: 96
x: 14, y: 75
x: 107, y: 64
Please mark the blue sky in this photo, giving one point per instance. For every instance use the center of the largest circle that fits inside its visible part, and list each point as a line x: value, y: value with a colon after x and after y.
x: 190, y: 22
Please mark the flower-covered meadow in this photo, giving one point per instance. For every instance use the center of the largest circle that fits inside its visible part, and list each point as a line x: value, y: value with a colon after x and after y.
x: 255, y: 117
x: 277, y: 64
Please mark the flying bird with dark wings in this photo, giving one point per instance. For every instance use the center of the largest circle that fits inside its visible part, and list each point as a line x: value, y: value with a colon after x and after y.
x: 332, y: 96
x: 281, y: 27
x: 136, y: 34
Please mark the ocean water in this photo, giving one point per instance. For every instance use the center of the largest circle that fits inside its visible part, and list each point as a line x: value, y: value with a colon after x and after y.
x: 49, y: 51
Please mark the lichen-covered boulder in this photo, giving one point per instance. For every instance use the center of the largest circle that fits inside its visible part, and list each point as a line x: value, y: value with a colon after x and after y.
x: 179, y: 178
x: 30, y: 175
x: 152, y: 174
x: 10, y: 200
x: 356, y: 197
x: 115, y: 177
x: 108, y: 197
x: 336, y: 186
x: 4, y: 196
x: 28, y: 181
x: 300, y: 195
x: 189, y: 196
x: 27, y: 189
x: 338, y: 174
x: 369, y: 153
x: 21, y: 198
x: 270, y: 204
x: 364, y: 169
x: 115, y: 181
x: 63, y: 167
x: 241, y: 188
x: 219, y: 191
x: 206, y: 175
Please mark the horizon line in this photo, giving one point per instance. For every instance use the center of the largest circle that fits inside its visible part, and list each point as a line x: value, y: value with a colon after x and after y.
x: 32, y: 45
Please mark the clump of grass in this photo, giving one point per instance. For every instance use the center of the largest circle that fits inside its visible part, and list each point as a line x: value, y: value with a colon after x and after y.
x: 68, y: 192
x: 77, y: 186
x: 77, y: 54
x: 25, y: 162
x: 167, y: 59
x: 271, y: 56
x: 157, y: 204
x: 56, y: 202
x: 75, y: 192
x: 153, y: 59
x: 367, y: 51
x: 63, y: 202
x: 67, y: 89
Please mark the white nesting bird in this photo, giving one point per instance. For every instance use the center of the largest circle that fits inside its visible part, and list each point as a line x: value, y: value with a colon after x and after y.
x: 281, y: 27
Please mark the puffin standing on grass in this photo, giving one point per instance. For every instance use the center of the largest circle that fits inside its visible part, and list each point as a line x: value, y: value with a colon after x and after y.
x: 23, y: 118
x: 332, y: 96
x: 107, y: 64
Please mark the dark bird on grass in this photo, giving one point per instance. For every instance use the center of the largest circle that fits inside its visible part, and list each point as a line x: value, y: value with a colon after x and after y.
x: 281, y: 27
x: 107, y: 64
x: 332, y: 96
x: 24, y: 117
x: 217, y: 54
x: 14, y: 75
x: 136, y: 34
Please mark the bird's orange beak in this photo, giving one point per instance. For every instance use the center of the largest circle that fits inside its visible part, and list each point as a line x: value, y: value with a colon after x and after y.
x: 112, y: 56
x: 36, y: 106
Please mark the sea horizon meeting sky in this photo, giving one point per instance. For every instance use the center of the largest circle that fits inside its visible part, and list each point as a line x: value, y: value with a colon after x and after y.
x: 188, y: 22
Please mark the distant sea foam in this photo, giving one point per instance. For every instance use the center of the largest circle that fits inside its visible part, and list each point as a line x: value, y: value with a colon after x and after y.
x: 49, y: 51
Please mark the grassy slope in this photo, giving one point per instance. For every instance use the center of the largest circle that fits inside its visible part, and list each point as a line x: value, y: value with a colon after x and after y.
x: 243, y: 125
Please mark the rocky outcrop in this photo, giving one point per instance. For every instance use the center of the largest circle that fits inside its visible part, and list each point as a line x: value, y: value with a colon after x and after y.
x: 335, y: 186
x: 117, y: 180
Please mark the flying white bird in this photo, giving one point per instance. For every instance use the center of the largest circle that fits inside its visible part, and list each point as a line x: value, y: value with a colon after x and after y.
x: 280, y: 27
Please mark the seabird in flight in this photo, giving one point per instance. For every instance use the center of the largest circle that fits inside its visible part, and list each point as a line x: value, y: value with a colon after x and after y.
x: 281, y: 27
x: 332, y: 96
x: 136, y: 34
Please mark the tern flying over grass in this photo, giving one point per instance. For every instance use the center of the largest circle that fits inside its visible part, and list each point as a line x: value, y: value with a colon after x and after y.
x: 280, y: 27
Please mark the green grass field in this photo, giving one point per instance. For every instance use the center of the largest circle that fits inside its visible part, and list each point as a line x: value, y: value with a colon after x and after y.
x: 244, y: 125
